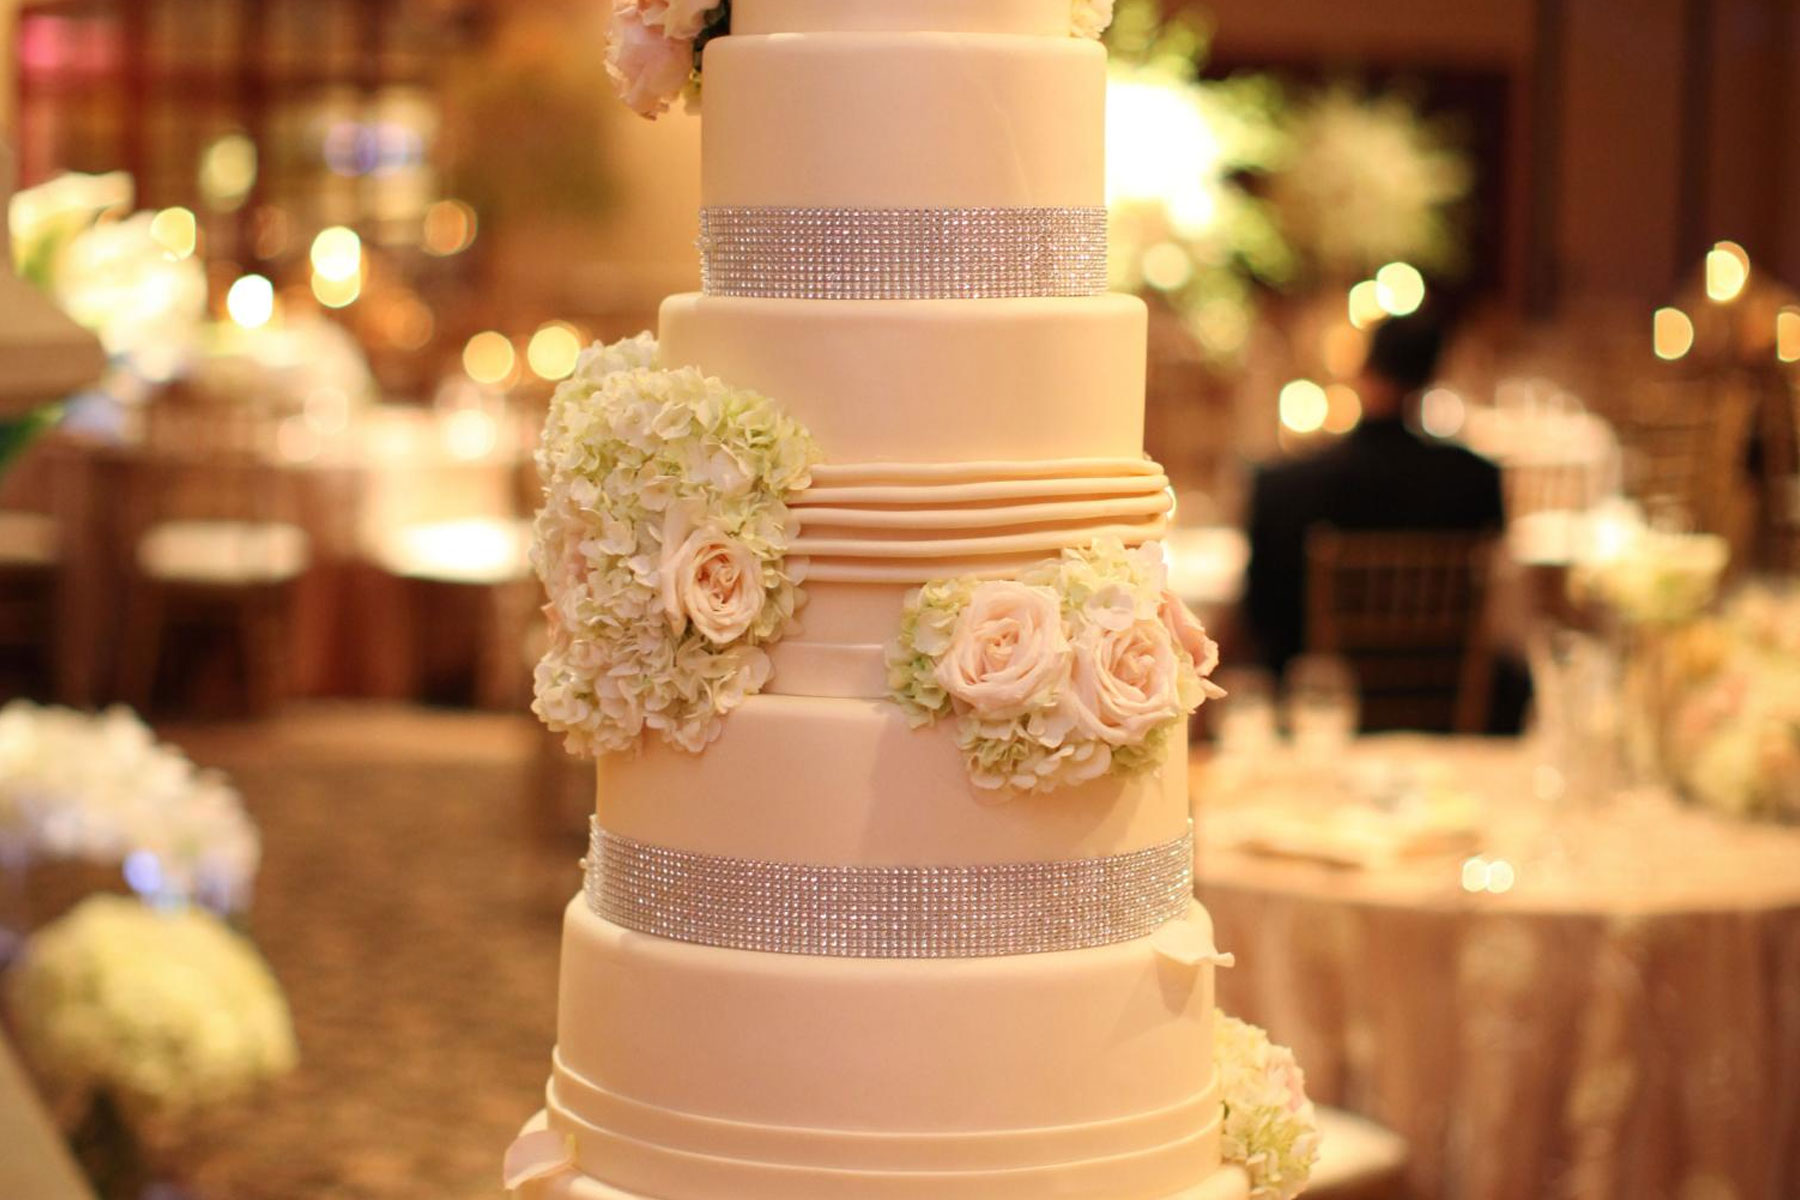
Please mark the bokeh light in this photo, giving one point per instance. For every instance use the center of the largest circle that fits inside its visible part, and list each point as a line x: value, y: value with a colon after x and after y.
x: 1304, y: 406
x: 1166, y: 266
x: 1442, y: 412
x: 1787, y: 335
x: 175, y: 230
x: 489, y: 357
x: 1727, y: 271
x: 1399, y: 289
x: 1365, y: 304
x: 1144, y: 119
x: 1673, y: 334
x: 251, y: 301
x: 1343, y: 408
x: 337, y: 254
x: 228, y: 171
x: 553, y: 351
x: 449, y: 227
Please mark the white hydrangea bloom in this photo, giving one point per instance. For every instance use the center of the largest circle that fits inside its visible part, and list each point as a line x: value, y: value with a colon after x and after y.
x: 630, y: 452
x: 1089, y: 18
x: 168, y: 1011
x: 1269, y: 1128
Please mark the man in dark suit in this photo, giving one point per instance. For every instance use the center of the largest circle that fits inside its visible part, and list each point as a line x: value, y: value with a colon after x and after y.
x: 1381, y: 476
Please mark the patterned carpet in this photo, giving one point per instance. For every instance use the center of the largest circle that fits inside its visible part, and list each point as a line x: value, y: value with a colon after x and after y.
x: 411, y: 905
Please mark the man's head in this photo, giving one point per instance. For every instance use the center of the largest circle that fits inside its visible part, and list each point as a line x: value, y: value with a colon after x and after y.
x: 1402, y: 359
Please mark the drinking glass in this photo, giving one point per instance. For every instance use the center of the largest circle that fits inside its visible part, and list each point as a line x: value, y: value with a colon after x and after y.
x: 1322, y: 704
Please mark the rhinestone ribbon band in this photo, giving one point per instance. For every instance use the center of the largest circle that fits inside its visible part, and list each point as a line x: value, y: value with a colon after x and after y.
x: 887, y: 912
x: 902, y: 253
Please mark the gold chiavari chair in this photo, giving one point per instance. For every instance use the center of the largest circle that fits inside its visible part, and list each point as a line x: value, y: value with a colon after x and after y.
x: 1408, y: 612
x: 1684, y: 443
x: 213, y: 539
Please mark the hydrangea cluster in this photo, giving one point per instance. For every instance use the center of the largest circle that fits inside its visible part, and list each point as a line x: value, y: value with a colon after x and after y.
x: 101, y: 788
x: 1269, y: 1127
x: 1081, y: 665
x: 166, y: 1011
x: 662, y: 544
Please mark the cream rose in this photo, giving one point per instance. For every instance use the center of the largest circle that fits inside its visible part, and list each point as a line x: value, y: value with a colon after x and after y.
x: 1186, y: 631
x: 1008, y: 649
x: 648, y: 68
x: 1124, y: 682
x: 1089, y: 18
x: 709, y: 579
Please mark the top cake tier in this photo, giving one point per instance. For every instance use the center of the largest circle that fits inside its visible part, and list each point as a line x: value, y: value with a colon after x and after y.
x: 1047, y: 17
x: 872, y: 104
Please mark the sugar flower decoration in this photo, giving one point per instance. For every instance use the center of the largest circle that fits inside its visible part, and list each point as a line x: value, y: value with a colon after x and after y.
x: 168, y: 1012
x: 662, y: 544
x: 1080, y: 666
x: 653, y: 49
x: 1269, y: 1128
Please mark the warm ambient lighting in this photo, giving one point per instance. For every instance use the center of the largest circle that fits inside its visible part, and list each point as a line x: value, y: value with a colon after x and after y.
x: 1787, y: 335
x: 449, y: 227
x: 1343, y: 408
x: 174, y: 230
x: 228, y: 170
x: 1304, y: 406
x: 489, y: 357
x: 251, y: 301
x: 1399, y: 289
x: 1144, y: 120
x: 470, y: 434
x: 1727, y: 271
x: 337, y: 254
x: 1365, y: 304
x: 1673, y: 334
x: 1166, y: 266
x: 1442, y: 412
x: 336, y: 293
x: 553, y: 351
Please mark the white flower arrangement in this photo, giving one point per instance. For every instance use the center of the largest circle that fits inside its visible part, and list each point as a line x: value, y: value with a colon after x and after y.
x: 168, y: 1012
x: 1656, y: 578
x: 1080, y: 666
x: 662, y: 544
x: 100, y: 787
x: 1269, y: 1127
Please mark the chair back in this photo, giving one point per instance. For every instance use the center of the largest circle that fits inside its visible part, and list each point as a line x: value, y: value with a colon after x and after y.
x: 1684, y: 442
x: 1407, y: 610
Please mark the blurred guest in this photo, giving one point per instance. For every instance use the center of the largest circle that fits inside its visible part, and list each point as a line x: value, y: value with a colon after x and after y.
x: 1381, y: 476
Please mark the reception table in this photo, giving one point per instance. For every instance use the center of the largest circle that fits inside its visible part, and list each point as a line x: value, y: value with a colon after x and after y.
x: 1562, y: 999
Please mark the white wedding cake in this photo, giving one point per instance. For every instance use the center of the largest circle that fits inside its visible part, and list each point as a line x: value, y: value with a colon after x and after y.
x: 857, y: 597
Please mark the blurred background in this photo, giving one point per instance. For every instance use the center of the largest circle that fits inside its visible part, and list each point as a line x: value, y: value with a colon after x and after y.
x: 291, y: 282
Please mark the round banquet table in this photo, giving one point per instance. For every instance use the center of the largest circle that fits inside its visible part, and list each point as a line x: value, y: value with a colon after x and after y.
x: 1620, y: 1019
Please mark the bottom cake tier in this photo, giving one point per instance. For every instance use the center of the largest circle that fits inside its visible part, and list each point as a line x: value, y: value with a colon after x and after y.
x: 688, y: 1072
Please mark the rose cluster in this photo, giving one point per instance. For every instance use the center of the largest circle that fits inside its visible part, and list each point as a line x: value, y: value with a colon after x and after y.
x: 652, y: 54
x: 1269, y: 1127
x: 662, y: 544
x: 1081, y: 665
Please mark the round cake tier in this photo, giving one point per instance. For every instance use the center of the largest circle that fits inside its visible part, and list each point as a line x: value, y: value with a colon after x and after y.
x: 1048, y: 18
x: 690, y: 1071
x: 798, y: 779
x: 931, y: 381
x: 904, y: 120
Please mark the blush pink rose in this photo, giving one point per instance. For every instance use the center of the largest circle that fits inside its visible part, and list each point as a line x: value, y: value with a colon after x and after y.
x: 1124, y: 682
x: 1007, y: 651
x: 680, y: 20
x: 649, y: 68
x: 709, y: 579
x: 1186, y: 631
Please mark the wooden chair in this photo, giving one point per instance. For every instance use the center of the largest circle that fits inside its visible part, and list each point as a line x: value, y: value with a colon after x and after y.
x: 1684, y: 442
x: 1408, y: 611
x: 214, y: 538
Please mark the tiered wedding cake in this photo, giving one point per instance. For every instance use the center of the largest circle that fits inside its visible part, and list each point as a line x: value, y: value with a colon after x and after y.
x: 890, y: 898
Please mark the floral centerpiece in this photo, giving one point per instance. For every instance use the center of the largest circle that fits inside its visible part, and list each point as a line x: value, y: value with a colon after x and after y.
x: 1080, y: 666
x: 1734, y: 740
x: 662, y: 543
x: 1269, y: 1126
x: 99, y: 788
x: 139, y: 1021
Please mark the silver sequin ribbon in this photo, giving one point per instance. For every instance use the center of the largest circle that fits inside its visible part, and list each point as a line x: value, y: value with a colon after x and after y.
x: 887, y: 912
x: 902, y: 253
